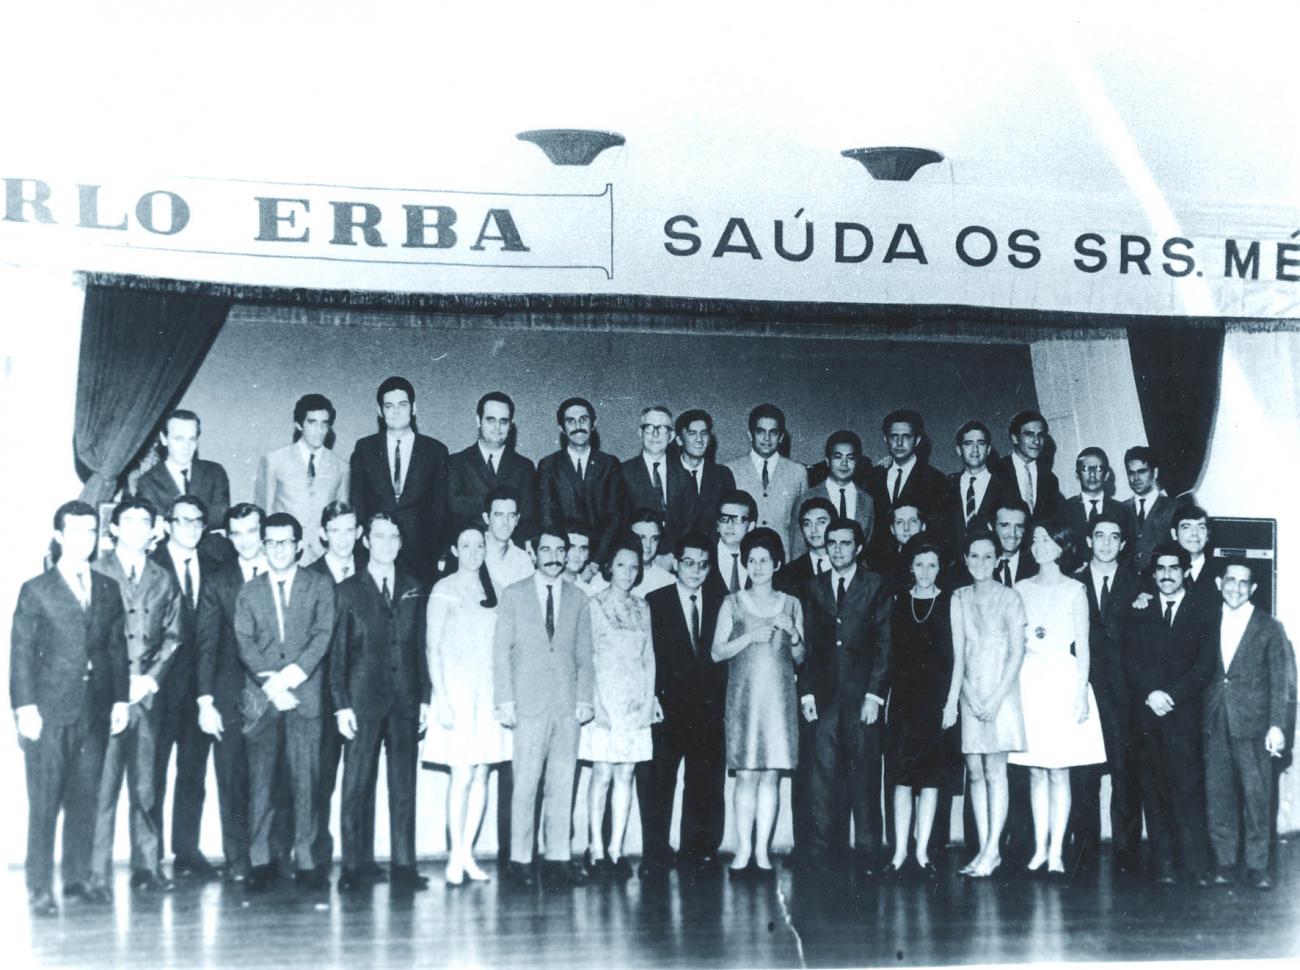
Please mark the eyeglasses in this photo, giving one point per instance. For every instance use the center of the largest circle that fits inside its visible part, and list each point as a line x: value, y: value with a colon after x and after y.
x: 733, y: 519
x: 686, y: 562
x: 657, y: 428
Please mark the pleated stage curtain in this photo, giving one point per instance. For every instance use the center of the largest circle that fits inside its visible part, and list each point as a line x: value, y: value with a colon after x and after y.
x: 139, y: 351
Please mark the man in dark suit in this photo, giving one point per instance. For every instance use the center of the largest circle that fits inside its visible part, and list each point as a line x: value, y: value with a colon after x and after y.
x: 582, y: 482
x: 691, y: 689
x: 1096, y: 483
x: 220, y: 681
x: 736, y: 514
x: 283, y: 624
x: 491, y: 461
x: 974, y: 493
x: 1014, y: 561
x: 906, y: 479
x: 1148, y: 510
x: 1169, y: 661
x: 152, y: 600
x: 1037, y: 484
x: 404, y: 473
x: 181, y: 473
x: 652, y: 480
x: 379, y: 678
x: 69, y: 683
x: 841, y: 692
x: 709, y: 480
x: 903, y: 521
x: 815, y: 517
x: 1189, y: 526
x: 178, y: 725
x: 1245, y: 711
x: 1111, y: 586
x: 843, y: 454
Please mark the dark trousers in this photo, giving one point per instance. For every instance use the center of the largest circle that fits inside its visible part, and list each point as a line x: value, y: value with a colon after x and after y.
x: 1238, y: 783
x: 505, y: 795
x: 398, y: 733
x: 230, y: 761
x: 1083, y: 833
x: 129, y: 754
x: 845, y: 778
x: 178, y: 727
x: 63, y: 770
x: 331, y: 753
x: 283, y: 736
x: 700, y: 743
x: 801, y: 790
x: 1173, y: 789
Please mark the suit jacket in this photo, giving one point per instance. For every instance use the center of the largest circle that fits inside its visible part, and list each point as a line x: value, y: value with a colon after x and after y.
x: 532, y: 672
x: 598, y: 499
x: 1152, y: 531
x: 715, y: 481
x: 864, y: 513
x: 641, y: 493
x: 421, y: 510
x: 1077, y: 513
x: 282, y: 485
x: 849, y: 645
x: 378, y: 662
x: 62, y: 657
x: 469, y: 482
x: 925, y: 488
x: 778, y: 504
x: 220, y: 672
x: 1106, y: 632
x: 153, y: 616
x: 184, y: 664
x: 793, y: 577
x: 952, y: 511
x: 1253, y: 691
x: 1179, y: 661
x: 308, y: 626
x: 208, y: 481
x: 691, y: 688
x: 1047, y: 490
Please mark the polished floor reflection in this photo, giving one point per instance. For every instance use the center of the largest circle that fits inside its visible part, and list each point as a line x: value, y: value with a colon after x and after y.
x: 704, y: 919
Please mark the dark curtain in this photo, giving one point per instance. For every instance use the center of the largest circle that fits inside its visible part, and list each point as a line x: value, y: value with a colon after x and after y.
x: 139, y: 351
x: 1176, y: 366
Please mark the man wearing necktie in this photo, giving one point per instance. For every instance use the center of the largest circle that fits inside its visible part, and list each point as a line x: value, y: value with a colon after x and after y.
x: 776, y: 483
x: 973, y: 493
x: 1014, y: 561
x: 303, y: 477
x: 691, y: 688
x: 709, y: 480
x: 905, y: 478
x: 1096, y: 480
x: 1038, y: 487
x: 69, y: 680
x: 543, y: 682
x: 1149, y: 510
x: 815, y: 515
x: 491, y: 461
x: 735, y: 517
x: 849, y: 501
x: 656, y: 481
x: 1169, y: 661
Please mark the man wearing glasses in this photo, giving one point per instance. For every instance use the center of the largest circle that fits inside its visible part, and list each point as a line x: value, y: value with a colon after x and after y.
x: 736, y: 514
x: 709, y: 481
x: 651, y: 481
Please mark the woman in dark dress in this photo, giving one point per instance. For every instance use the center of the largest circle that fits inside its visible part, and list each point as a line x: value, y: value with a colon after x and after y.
x: 922, y: 746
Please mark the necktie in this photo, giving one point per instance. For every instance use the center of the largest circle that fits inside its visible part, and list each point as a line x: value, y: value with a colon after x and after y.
x: 185, y: 477
x: 257, y: 571
x: 765, y: 478
x: 189, y: 581
x: 492, y: 468
x: 898, y: 483
x: 659, y: 487
x: 1169, y: 613
x: 311, y: 468
x: 821, y: 566
x: 844, y: 508
x: 735, y: 572
x: 696, y: 476
x: 1004, y: 573
x: 1027, y: 488
x: 1105, y: 593
x: 347, y: 570
x: 130, y: 576
x: 83, y: 591
x: 839, y: 593
x: 397, y: 469
x: 695, y: 623
x: 550, y: 612
x: 1142, y: 511
x: 388, y: 594
x: 970, y: 497
x: 284, y: 607
x: 579, y: 469
x: 1093, y: 514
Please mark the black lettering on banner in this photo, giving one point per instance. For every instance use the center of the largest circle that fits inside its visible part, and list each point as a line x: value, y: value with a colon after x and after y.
x: 507, y: 233
x: 1234, y: 262
x: 778, y: 229
x: 1023, y: 256
x: 16, y: 199
x: 269, y: 217
x: 88, y: 209
x: 725, y: 245
x: 1127, y: 254
x: 903, y: 231
x: 1184, y: 260
x: 346, y: 222
x: 417, y: 225
x: 676, y: 235
x: 989, y: 238
x: 1083, y: 250
x: 180, y: 212
x: 1285, y: 262
x: 842, y: 229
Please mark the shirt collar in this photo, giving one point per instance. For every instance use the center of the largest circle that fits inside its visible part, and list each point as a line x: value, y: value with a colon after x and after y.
x: 1176, y: 600
x: 496, y: 454
x: 847, y: 577
x: 305, y: 452
x: 380, y: 573
x: 542, y: 581
x: 1241, y: 615
x: 758, y: 460
x: 128, y: 562
x: 178, y: 470
x: 1019, y: 459
x: 906, y: 466
x: 979, y: 476
x: 406, y: 435
x: 71, y: 570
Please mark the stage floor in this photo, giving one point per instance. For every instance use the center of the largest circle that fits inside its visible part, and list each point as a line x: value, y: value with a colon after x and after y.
x: 698, y: 921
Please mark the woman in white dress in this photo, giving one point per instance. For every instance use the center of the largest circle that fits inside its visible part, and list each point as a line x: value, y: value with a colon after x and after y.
x: 619, y: 735
x: 464, y: 735
x: 1062, y: 729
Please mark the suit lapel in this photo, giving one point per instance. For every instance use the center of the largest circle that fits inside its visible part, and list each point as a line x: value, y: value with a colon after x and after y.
x: 1248, y: 638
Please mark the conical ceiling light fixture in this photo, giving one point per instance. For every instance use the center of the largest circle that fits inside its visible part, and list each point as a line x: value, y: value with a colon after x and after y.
x: 571, y: 146
x: 893, y: 164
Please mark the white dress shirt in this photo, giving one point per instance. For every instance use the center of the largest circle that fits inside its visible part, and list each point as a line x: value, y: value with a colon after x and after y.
x: 340, y: 569
x: 1023, y: 468
x: 759, y: 461
x: 186, y: 561
x: 1097, y: 571
x: 1176, y: 601
x: 287, y: 579
x: 1231, y: 629
x: 981, y: 479
x: 900, y: 474
x: 178, y: 473
x: 684, y: 597
x: 724, y: 561
x: 77, y: 576
x: 253, y: 567
x: 541, y: 582
x: 662, y: 462
x: 834, y: 490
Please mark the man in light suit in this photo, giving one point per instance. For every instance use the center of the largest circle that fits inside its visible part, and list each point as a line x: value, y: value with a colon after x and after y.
x: 1096, y: 482
x: 490, y: 462
x: 543, y: 682
x: 1245, y: 711
x: 709, y: 480
x: 776, y: 483
x: 1149, y: 511
x: 304, y: 477
x: 906, y: 479
x: 283, y: 623
x: 152, y: 600
x: 843, y: 454
x: 69, y: 683
x: 404, y: 473
x: 182, y: 473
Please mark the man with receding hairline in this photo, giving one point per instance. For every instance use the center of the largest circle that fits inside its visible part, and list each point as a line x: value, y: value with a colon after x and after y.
x: 491, y: 462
